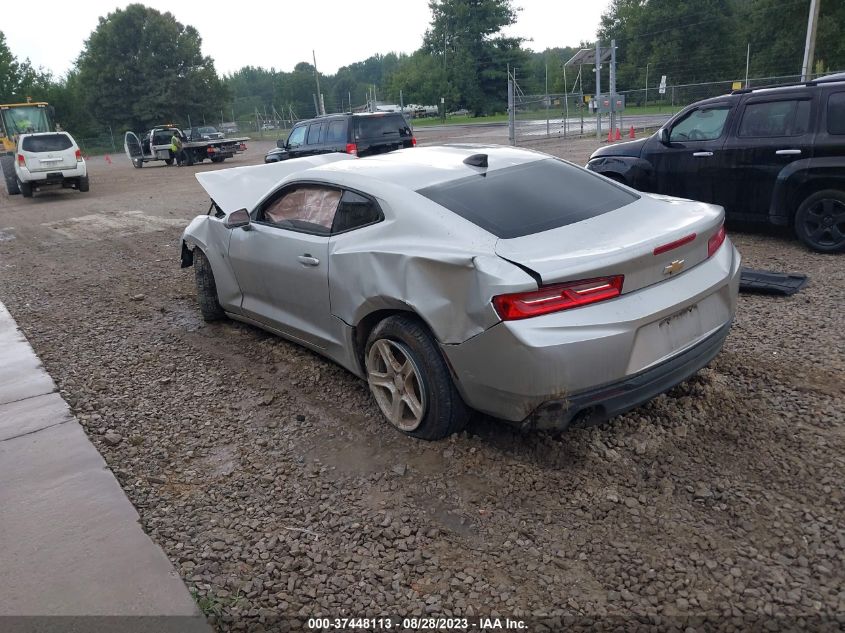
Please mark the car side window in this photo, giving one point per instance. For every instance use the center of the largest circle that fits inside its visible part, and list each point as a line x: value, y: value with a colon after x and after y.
x: 703, y: 124
x: 355, y: 211
x: 304, y: 208
x: 775, y: 118
x: 337, y: 132
x: 297, y: 136
x: 314, y: 131
x: 836, y: 113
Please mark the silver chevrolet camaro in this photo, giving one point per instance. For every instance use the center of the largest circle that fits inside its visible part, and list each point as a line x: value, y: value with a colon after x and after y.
x: 466, y: 277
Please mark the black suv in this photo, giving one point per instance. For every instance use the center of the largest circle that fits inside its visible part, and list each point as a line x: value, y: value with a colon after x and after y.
x: 358, y: 134
x: 772, y: 155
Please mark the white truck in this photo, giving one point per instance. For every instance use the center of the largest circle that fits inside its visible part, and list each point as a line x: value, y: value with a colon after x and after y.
x: 155, y: 145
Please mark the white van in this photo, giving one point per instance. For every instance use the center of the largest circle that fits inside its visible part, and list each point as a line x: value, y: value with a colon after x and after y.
x: 49, y: 158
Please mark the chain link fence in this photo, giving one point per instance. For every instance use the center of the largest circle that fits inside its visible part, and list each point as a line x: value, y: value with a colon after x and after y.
x: 544, y: 117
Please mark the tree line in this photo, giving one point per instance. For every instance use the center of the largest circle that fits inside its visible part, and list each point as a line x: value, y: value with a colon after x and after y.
x: 140, y: 67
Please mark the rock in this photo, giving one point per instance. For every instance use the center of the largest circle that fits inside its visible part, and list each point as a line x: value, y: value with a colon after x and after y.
x: 112, y: 439
x: 399, y: 469
x: 138, y: 297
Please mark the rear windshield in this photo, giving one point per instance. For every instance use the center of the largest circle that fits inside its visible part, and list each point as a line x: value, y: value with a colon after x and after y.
x: 374, y: 127
x: 46, y: 143
x: 529, y: 198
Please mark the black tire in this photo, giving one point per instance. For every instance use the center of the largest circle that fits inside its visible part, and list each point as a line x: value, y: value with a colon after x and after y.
x: 25, y: 188
x: 168, y: 161
x: 443, y: 412
x: 83, y: 185
x: 7, y: 164
x: 820, y: 221
x: 217, y: 159
x: 206, y: 288
x: 138, y: 163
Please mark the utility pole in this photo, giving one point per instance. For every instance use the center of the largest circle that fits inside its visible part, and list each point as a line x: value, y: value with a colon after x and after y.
x: 612, y: 85
x: 810, y: 46
x: 317, y: 77
x: 747, y: 63
x: 646, y: 84
x: 598, y: 90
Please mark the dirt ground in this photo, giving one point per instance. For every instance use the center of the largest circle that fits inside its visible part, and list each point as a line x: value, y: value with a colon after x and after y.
x: 269, y: 479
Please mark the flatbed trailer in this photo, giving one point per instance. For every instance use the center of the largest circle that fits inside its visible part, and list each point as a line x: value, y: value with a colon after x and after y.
x: 155, y: 146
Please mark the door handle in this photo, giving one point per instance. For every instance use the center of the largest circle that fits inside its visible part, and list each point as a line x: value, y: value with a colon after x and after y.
x: 307, y: 260
x: 788, y: 152
x: 700, y: 154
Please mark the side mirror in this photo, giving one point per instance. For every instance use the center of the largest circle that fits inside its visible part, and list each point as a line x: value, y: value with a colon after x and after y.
x: 236, y: 219
x: 281, y: 144
x: 663, y: 135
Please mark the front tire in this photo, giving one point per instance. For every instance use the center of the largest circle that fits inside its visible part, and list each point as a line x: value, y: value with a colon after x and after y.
x: 820, y: 221
x: 410, y: 381
x: 138, y: 163
x: 206, y: 288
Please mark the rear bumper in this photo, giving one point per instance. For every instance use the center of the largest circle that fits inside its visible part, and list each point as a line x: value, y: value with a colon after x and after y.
x: 52, y: 176
x: 609, y: 356
x: 607, y: 401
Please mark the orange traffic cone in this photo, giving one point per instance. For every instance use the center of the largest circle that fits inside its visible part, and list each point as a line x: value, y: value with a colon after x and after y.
x: 108, y: 159
x: 631, y: 133
x: 618, y: 135
x: 610, y: 136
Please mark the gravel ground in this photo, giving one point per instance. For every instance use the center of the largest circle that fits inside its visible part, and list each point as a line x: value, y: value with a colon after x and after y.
x: 266, y: 474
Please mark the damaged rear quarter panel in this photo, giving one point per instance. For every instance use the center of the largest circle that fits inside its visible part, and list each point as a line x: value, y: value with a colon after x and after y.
x: 425, y: 259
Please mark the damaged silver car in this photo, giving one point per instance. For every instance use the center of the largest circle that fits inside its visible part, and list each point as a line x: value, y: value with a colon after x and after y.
x: 457, y: 277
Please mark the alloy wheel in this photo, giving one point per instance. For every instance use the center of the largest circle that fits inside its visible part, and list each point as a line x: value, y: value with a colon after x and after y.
x: 396, y: 383
x: 824, y: 223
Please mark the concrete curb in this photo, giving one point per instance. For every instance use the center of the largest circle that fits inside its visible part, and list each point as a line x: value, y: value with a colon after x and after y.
x: 70, y: 541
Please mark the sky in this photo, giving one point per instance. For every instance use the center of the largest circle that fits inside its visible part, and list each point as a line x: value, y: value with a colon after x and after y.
x: 281, y: 34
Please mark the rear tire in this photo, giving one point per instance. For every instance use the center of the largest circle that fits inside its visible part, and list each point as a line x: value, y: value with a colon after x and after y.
x: 820, y: 221
x: 83, y: 185
x: 217, y: 159
x: 25, y: 188
x: 7, y: 164
x: 206, y: 288
x: 410, y: 381
x: 168, y: 161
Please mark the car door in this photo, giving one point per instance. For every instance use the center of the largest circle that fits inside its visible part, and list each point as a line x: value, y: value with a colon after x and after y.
x: 281, y: 262
x: 773, y: 131
x: 296, y: 141
x: 688, y: 163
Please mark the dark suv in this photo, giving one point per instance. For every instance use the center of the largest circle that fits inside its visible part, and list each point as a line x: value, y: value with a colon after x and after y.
x: 359, y: 134
x: 772, y: 155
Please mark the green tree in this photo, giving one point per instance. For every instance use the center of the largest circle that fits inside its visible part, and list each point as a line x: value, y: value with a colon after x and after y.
x: 16, y: 77
x: 141, y: 67
x: 474, y: 55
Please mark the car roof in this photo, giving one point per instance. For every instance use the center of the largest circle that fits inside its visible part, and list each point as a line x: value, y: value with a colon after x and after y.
x: 419, y: 167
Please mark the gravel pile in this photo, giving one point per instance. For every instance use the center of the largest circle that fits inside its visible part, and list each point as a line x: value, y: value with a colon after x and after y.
x: 270, y: 481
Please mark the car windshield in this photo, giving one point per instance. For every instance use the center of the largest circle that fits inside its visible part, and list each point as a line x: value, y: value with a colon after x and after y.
x: 46, y: 143
x: 529, y: 198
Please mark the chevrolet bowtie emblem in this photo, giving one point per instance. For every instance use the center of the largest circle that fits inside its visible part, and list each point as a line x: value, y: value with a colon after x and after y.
x: 675, y: 267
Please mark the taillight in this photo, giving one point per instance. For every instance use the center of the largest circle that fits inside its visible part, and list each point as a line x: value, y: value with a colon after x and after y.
x: 210, y: 150
x: 21, y: 161
x: 413, y: 141
x: 716, y: 241
x: 79, y: 156
x: 665, y: 248
x: 352, y: 148
x: 557, y: 297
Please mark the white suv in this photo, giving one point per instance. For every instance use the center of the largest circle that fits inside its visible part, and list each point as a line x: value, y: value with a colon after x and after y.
x: 49, y: 158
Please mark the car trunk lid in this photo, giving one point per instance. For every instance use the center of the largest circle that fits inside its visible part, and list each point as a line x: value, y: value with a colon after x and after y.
x: 48, y: 152
x: 648, y: 241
